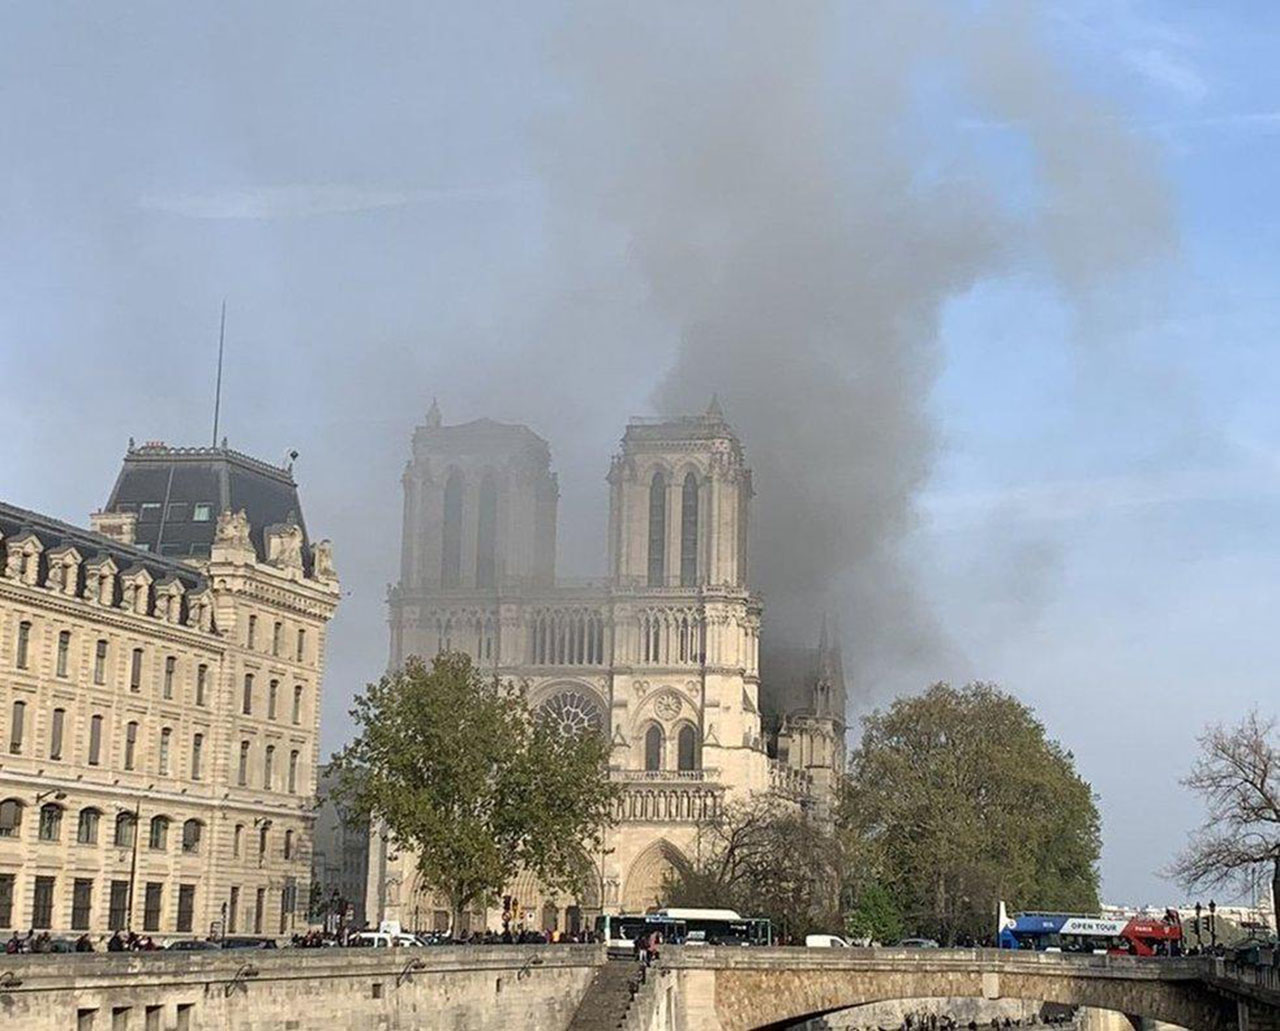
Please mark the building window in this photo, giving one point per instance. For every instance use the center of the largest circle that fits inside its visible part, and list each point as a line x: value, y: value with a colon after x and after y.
x: 130, y: 744
x: 149, y: 512
x: 288, y: 844
x: 100, y: 662
x: 186, y: 906
x: 297, y: 703
x: 135, y: 670
x: 657, y: 530
x: 302, y: 645
x: 202, y: 683
x: 273, y: 692
x: 246, y: 703
x: 451, y: 536
x: 166, y: 736
x: 486, y: 533
x: 64, y: 651
x: 6, y: 899
x: 10, y: 818
x: 277, y: 637
x: 24, y: 643
x: 81, y: 903
x: 151, y: 906
x: 293, y: 771
x: 126, y: 825
x: 118, y: 907
x: 42, y: 906
x: 95, y: 740
x: 16, y: 727
x: 252, y: 635
x: 170, y: 666
x: 262, y: 842
x: 268, y: 760
x: 192, y: 832
x: 56, y: 726
x: 159, y: 839
x: 242, y: 774
x: 237, y: 839
x: 202, y: 512
x: 87, y: 826
x: 233, y: 910
x: 687, y: 749
x: 259, y: 905
x: 653, y: 748
x: 197, y: 755
x: 50, y: 822
x: 177, y: 512
x: 689, y: 532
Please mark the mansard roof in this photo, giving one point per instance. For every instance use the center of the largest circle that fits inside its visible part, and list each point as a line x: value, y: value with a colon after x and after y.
x: 163, y: 485
x: 53, y: 533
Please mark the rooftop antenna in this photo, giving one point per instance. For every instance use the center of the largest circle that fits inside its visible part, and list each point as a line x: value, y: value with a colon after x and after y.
x: 217, y: 393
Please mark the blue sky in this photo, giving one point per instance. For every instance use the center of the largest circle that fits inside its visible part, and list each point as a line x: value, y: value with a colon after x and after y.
x: 388, y: 199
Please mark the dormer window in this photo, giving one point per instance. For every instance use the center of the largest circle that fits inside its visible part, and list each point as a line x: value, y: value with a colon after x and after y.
x: 202, y: 512
x: 149, y: 512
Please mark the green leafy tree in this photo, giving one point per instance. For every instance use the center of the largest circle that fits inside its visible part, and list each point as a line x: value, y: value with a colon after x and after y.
x: 470, y: 781
x: 874, y: 915
x: 956, y: 799
x: 765, y: 860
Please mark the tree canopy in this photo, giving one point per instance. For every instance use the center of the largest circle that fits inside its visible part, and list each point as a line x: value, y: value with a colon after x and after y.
x: 473, y: 783
x: 954, y: 800
x: 1238, y: 775
x: 765, y: 859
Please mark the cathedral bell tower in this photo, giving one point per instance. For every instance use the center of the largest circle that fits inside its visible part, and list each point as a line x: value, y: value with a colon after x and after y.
x: 687, y: 626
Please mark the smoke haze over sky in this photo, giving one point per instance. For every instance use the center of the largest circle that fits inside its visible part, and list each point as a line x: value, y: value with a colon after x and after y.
x: 985, y: 288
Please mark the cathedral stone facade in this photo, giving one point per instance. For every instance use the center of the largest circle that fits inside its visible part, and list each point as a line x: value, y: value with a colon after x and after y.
x: 663, y: 655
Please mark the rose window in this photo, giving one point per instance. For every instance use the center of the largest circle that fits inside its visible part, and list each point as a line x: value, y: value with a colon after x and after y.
x: 573, y: 712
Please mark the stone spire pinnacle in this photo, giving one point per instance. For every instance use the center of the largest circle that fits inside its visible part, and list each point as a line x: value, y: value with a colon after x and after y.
x: 714, y: 411
x: 433, y: 414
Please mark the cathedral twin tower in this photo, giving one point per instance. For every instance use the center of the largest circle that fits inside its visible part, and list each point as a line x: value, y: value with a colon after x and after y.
x: 663, y: 656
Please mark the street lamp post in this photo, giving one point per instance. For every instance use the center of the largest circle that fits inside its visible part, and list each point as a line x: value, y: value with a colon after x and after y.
x: 1199, y: 940
x: 133, y: 863
x: 1213, y: 924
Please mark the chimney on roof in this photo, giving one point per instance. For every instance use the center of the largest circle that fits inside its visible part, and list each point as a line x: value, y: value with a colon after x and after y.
x: 119, y: 526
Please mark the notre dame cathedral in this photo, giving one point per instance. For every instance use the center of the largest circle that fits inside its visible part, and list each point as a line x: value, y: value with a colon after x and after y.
x: 663, y: 654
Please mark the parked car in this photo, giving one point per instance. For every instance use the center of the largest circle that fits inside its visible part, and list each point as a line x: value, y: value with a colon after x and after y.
x: 383, y: 940
x: 248, y: 943
x: 917, y: 943
x: 193, y: 945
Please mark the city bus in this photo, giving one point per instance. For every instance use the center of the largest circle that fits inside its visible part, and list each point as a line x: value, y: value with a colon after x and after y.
x: 1073, y: 932
x: 684, y: 926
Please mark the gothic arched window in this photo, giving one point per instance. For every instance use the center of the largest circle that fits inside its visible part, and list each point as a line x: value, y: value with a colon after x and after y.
x: 657, y: 530
x: 689, y: 532
x: 572, y: 712
x: 653, y: 748
x: 486, y: 533
x: 451, y: 538
x: 687, y: 749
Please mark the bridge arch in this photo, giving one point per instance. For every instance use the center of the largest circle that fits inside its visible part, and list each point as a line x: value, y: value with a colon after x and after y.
x: 752, y: 990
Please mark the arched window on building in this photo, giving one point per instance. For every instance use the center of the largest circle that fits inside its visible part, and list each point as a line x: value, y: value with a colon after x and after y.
x: 87, y: 829
x: 689, y: 532
x: 487, y: 533
x: 687, y: 748
x: 50, y: 822
x: 192, y: 832
x: 657, y: 530
x: 159, y: 839
x: 451, y: 537
x: 653, y: 748
x: 288, y: 844
x: 237, y: 840
x: 10, y: 817
x: 125, y: 826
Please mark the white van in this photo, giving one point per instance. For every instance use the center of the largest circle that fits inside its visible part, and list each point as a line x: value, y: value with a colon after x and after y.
x: 825, y: 941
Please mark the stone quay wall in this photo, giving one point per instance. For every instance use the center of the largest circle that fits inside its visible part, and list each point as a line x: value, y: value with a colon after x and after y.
x: 452, y: 989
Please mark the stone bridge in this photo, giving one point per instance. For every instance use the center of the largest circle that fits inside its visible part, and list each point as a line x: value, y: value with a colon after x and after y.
x: 734, y: 989
x: 542, y: 988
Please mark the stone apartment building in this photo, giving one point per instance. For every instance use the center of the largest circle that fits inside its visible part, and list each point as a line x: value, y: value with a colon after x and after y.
x: 662, y: 654
x: 160, y: 702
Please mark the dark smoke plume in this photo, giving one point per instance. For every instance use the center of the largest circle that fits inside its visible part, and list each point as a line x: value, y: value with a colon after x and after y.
x: 798, y: 224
